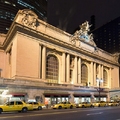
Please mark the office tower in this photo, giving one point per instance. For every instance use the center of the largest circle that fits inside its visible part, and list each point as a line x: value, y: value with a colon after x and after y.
x: 107, y: 37
x: 9, y: 8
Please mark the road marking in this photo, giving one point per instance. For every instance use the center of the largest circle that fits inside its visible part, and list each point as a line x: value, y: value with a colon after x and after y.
x: 95, y: 113
x: 26, y: 115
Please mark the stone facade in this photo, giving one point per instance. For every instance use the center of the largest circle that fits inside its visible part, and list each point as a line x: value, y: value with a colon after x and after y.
x: 26, y: 49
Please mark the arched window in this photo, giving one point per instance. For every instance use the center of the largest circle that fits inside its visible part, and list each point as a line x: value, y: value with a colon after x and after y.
x: 105, y: 78
x: 84, y: 74
x: 52, y: 67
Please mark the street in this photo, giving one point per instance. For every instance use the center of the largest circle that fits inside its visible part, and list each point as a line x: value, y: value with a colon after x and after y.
x: 102, y: 113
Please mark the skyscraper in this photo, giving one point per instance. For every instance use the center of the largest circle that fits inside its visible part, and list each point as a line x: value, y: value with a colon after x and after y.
x: 107, y: 37
x: 9, y: 8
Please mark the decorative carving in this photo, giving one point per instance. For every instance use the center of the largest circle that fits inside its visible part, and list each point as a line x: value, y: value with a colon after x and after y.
x: 29, y: 19
x: 75, y: 37
x: 116, y: 57
x: 82, y: 34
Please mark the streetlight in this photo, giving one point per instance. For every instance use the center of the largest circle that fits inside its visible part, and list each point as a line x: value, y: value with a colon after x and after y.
x: 99, y: 89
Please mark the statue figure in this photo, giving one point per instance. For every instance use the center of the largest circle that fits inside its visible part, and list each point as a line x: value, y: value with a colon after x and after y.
x: 85, y: 27
x: 83, y: 34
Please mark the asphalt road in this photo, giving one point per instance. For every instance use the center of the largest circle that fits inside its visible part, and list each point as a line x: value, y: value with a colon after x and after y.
x: 102, y: 113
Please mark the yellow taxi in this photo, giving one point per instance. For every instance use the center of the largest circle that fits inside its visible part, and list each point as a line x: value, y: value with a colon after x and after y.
x: 112, y: 103
x: 84, y: 105
x: 36, y: 105
x: 100, y: 104
x: 15, y: 106
x: 63, y: 105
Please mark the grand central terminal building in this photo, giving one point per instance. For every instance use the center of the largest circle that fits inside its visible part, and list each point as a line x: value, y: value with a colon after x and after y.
x: 39, y: 61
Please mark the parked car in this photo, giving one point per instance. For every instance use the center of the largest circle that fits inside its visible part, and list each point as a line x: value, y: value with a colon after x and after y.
x: 15, y: 106
x: 84, y: 105
x: 63, y: 105
x: 100, y: 104
x: 112, y: 103
x: 36, y: 105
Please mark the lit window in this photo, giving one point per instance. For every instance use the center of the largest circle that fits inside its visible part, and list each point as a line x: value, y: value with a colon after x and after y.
x: 52, y: 68
x: 13, y: 4
x: 7, y: 2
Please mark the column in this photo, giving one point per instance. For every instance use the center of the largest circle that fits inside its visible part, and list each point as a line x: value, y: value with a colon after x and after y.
x: 63, y: 67
x: 109, y: 79
x: 30, y: 95
x: 71, y: 97
x: 68, y: 68
x: 102, y: 74
x: 94, y: 77
x: 75, y: 72
x: 91, y: 80
x: 99, y: 75
x: 40, y: 62
x: 44, y: 63
x: 79, y: 70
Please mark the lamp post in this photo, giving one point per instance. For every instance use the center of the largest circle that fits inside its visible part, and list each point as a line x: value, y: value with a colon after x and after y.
x: 99, y: 89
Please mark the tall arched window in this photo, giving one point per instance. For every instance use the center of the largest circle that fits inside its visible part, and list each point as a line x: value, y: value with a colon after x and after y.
x: 105, y: 77
x: 52, y: 67
x: 84, y: 74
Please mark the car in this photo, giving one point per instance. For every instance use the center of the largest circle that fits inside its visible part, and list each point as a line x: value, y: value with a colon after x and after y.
x: 84, y: 105
x: 112, y: 103
x: 36, y: 105
x: 19, y: 106
x: 63, y: 105
x: 100, y: 104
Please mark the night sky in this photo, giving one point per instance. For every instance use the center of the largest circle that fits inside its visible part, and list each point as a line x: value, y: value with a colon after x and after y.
x: 69, y: 14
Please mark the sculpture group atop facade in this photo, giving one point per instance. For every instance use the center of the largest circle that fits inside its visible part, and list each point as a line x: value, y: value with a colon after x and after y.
x: 83, y: 34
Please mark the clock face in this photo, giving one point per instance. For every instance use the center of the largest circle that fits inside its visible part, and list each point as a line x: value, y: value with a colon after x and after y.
x: 85, y: 37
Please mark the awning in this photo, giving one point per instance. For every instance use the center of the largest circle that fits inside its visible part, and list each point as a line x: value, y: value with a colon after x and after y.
x: 82, y: 94
x: 101, y: 95
x: 55, y: 93
x: 17, y: 94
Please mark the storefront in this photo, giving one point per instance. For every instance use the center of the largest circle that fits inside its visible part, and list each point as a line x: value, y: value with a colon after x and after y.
x: 82, y: 97
x: 55, y: 97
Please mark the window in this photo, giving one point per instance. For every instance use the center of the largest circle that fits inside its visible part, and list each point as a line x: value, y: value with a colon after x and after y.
x: 84, y: 74
x: 71, y: 74
x: 10, y: 103
x: 19, y: 103
x: 104, y: 78
x: 52, y: 67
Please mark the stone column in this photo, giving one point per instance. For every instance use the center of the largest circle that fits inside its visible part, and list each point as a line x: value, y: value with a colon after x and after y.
x: 31, y: 95
x: 71, y: 98
x: 40, y: 61
x: 91, y: 78
x: 94, y: 77
x: 108, y: 96
x: 109, y: 80
x: 63, y: 68
x: 79, y: 70
x: 102, y: 74
x: 99, y: 75
x: 75, y: 79
x: 68, y: 68
x: 44, y: 63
